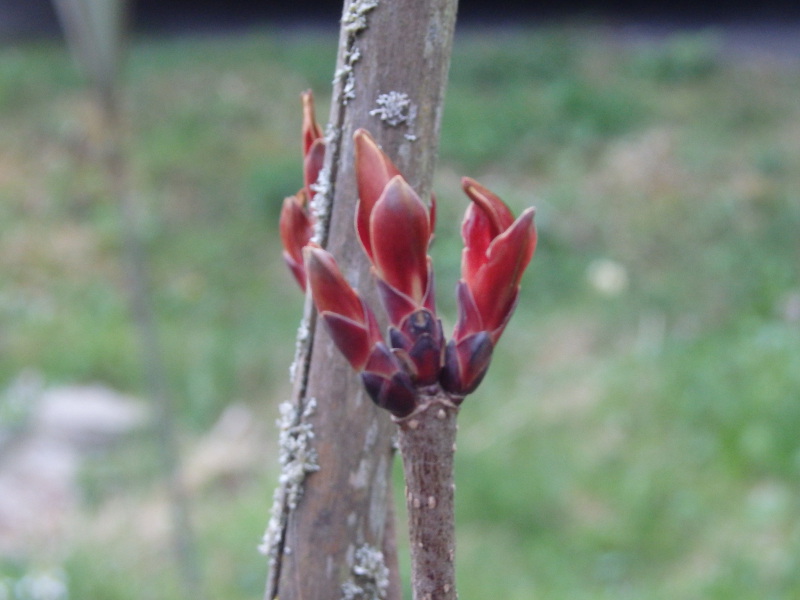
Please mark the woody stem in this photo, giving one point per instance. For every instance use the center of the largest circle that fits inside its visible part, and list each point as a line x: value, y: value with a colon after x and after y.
x: 427, y: 444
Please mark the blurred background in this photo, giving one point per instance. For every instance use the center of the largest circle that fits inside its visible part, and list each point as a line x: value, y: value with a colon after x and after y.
x: 185, y: 15
x: 637, y: 435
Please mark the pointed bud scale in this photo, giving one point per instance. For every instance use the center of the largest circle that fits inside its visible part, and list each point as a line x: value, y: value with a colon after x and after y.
x: 311, y: 130
x: 351, y: 338
x: 381, y: 361
x: 497, y: 213
x: 399, y: 235
x: 387, y: 383
x: 395, y: 394
x: 350, y: 322
x: 296, y: 222
x: 374, y: 170
x: 329, y: 288
x: 485, y: 219
x: 469, y: 319
x: 495, y: 285
x: 296, y: 230
x: 426, y: 354
x: 466, y: 362
x: 429, y: 300
x: 354, y: 330
x: 313, y: 144
x: 421, y: 341
x: 312, y: 165
x: 398, y: 306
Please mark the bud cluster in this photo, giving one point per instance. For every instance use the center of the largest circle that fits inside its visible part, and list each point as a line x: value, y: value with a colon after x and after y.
x: 395, y: 228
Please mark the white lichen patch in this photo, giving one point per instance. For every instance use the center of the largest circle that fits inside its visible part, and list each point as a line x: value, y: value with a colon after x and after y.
x: 355, y: 19
x: 297, y: 458
x: 353, y: 22
x: 320, y: 205
x: 346, y: 74
x: 370, y: 576
x: 351, y: 591
x: 297, y: 455
x: 301, y: 344
x: 332, y: 134
x: 270, y: 541
x: 394, y: 108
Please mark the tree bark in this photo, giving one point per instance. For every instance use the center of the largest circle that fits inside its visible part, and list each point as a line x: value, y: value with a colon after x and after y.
x: 427, y: 444
x: 391, y: 73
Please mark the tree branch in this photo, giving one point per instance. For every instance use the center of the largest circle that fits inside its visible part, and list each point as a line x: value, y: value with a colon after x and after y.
x: 427, y: 443
x: 391, y: 72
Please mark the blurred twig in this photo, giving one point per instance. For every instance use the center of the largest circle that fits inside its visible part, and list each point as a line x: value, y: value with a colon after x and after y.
x: 95, y: 31
x: 141, y: 306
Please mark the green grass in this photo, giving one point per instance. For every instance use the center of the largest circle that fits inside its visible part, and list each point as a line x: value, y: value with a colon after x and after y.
x: 641, y: 444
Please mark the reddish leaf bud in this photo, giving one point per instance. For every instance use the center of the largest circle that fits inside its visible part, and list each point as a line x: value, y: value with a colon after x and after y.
x: 354, y: 330
x: 312, y: 165
x: 297, y: 222
x: 485, y: 219
x: 296, y: 230
x: 311, y: 130
x: 495, y: 286
x: 497, y: 249
x: 374, y: 170
x: 399, y: 236
x: 395, y: 229
x: 351, y: 324
x: 313, y: 144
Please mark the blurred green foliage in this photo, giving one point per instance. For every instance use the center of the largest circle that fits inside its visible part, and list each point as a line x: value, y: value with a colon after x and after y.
x: 637, y: 434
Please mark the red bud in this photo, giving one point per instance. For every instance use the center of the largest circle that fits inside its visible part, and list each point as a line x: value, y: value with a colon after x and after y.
x: 312, y: 165
x: 485, y: 219
x: 399, y: 235
x: 374, y: 170
x: 296, y: 223
x: 496, y: 283
x: 351, y: 337
x: 497, y: 249
x: 350, y: 322
x: 296, y: 230
x: 311, y: 130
